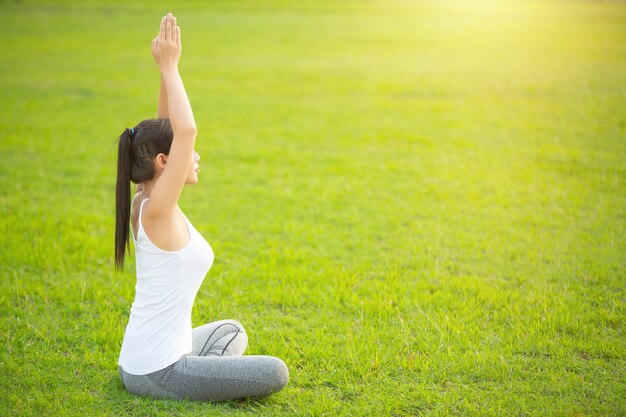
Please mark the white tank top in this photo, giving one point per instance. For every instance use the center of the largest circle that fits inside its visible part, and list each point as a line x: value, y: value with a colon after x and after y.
x: 159, y: 329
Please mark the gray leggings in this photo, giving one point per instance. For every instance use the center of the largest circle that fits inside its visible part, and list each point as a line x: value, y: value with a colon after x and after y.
x: 215, y: 370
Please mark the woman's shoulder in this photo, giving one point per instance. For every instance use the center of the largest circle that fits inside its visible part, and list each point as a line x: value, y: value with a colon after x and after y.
x: 134, y: 211
x: 136, y: 203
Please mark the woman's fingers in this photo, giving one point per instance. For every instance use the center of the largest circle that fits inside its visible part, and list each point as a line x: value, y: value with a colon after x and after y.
x: 178, y: 36
x: 166, y: 34
x: 168, y: 29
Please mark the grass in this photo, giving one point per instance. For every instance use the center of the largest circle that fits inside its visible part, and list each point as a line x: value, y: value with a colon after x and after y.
x: 419, y: 206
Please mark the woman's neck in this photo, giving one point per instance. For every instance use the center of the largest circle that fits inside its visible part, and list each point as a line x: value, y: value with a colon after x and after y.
x: 145, y: 188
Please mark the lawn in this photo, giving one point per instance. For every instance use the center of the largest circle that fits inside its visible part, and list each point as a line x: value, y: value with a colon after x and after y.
x: 419, y: 206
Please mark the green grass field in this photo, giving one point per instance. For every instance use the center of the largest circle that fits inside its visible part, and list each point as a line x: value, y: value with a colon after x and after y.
x: 419, y: 206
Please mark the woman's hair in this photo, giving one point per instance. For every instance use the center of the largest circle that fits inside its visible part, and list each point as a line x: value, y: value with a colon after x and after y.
x: 137, y: 148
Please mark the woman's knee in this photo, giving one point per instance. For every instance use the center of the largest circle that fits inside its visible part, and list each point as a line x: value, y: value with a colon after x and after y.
x: 236, y: 324
x: 278, y: 373
x: 235, y: 343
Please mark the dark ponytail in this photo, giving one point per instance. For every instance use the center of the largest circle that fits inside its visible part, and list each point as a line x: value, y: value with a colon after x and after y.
x: 136, y: 150
x: 122, y: 199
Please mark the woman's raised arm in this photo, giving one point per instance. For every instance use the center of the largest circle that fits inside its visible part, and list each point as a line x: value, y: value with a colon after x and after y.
x: 162, y: 110
x: 166, y: 51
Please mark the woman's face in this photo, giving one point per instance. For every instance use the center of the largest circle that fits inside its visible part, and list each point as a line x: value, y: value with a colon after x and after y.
x: 192, y: 176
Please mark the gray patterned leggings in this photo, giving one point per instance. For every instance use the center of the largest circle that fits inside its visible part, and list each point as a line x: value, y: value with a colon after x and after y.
x: 215, y: 370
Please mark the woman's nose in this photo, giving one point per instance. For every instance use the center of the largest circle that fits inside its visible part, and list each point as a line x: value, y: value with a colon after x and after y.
x: 196, y: 155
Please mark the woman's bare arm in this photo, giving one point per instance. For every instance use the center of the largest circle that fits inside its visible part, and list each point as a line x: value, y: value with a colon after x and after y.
x: 162, y: 110
x: 166, y: 51
x: 180, y: 113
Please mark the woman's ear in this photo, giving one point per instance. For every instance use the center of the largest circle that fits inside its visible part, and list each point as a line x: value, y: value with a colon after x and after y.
x: 161, y: 160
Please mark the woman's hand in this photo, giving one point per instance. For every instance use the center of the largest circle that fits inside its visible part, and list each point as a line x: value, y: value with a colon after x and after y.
x: 166, y: 47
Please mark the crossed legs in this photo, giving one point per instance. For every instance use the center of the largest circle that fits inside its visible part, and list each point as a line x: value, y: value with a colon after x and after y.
x: 216, y: 369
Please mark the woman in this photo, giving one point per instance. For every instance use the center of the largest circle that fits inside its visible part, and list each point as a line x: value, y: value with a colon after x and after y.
x: 161, y: 355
